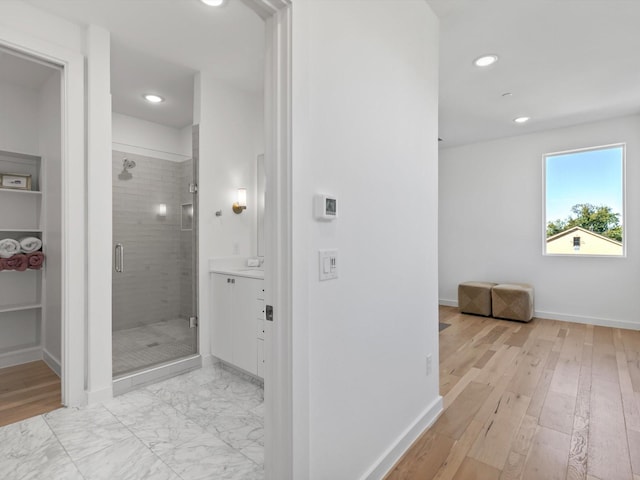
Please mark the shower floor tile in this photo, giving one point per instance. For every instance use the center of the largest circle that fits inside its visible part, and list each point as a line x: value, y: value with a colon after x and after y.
x: 158, y: 432
x: 147, y: 345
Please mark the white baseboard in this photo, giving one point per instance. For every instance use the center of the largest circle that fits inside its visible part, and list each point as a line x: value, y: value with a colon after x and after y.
x: 602, y: 322
x: 98, y: 396
x: 208, y: 360
x: 391, y: 456
x: 448, y: 303
x: 53, y: 362
x: 19, y: 357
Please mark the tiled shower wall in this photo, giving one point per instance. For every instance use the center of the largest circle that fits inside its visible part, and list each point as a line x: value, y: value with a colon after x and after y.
x: 158, y: 254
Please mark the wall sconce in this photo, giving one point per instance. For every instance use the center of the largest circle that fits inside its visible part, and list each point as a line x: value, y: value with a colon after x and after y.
x: 162, y: 210
x: 241, y: 204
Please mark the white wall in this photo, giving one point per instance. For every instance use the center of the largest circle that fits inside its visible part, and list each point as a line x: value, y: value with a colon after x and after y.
x: 19, y: 107
x: 134, y: 135
x: 50, y: 134
x: 99, y: 208
x: 185, y: 141
x: 38, y: 24
x: 231, y: 125
x: 29, y: 29
x: 365, y: 79
x: 491, y: 224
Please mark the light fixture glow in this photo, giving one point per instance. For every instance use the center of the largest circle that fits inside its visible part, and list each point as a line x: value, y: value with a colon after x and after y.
x: 241, y: 204
x: 213, y: 3
x: 150, y: 97
x: 522, y: 119
x: 485, y: 60
x: 162, y: 210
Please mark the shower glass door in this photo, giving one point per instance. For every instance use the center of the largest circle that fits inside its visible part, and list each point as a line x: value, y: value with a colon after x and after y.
x: 154, y: 261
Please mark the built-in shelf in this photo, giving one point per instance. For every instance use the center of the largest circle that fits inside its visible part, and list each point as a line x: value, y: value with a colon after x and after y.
x: 18, y: 272
x: 20, y: 230
x: 20, y: 192
x: 22, y: 156
x: 30, y: 350
x: 19, y: 308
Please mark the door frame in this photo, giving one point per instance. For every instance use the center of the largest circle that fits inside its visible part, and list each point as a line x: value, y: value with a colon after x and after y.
x: 278, y: 377
x: 73, y: 205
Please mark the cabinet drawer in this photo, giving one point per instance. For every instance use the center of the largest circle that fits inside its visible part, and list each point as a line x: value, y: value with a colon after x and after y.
x: 261, y: 358
x: 260, y: 309
x: 260, y: 329
x: 260, y: 290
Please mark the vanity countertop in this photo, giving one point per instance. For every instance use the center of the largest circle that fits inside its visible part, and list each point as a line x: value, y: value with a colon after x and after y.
x: 235, y: 266
x: 239, y: 272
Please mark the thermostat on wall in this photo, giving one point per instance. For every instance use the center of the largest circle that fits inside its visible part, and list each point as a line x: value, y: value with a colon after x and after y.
x: 326, y: 207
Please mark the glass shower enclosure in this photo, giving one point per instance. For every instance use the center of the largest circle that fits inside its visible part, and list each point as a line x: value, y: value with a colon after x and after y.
x: 154, y: 261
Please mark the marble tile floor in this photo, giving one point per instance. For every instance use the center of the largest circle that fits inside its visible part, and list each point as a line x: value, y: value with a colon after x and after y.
x: 146, y: 345
x: 205, y: 424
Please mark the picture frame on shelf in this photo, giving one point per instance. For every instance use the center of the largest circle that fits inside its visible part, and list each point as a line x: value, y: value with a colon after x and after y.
x: 15, y: 181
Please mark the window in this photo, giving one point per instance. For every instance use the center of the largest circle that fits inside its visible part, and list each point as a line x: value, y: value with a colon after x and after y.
x: 576, y: 243
x: 584, y: 201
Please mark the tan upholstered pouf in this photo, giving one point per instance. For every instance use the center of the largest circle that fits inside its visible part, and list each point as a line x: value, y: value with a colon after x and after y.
x: 475, y: 297
x: 513, y: 301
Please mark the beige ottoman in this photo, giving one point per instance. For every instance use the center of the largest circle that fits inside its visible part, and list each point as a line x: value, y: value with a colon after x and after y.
x: 513, y: 301
x: 475, y: 297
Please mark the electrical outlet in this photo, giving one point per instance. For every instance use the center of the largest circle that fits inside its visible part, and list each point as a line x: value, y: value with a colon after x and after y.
x: 429, y: 364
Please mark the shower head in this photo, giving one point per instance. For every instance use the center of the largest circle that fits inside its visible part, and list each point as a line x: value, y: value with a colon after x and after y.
x: 127, y: 164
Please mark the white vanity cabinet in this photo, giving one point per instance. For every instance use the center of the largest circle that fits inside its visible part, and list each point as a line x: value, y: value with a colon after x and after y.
x: 235, y: 303
x: 260, y: 330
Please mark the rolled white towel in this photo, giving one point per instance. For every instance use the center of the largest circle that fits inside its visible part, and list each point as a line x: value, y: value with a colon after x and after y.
x: 30, y: 244
x: 9, y: 247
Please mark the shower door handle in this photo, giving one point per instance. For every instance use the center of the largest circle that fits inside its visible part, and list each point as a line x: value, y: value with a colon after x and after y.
x: 119, y: 258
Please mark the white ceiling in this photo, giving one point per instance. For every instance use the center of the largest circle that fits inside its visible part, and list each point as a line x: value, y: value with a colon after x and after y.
x: 158, y: 45
x: 134, y: 73
x: 565, y: 62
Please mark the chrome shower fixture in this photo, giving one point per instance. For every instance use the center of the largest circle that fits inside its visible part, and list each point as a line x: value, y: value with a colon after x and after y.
x: 127, y: 164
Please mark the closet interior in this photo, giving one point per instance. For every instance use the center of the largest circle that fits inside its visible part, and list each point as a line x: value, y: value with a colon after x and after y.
x: 30, y: 236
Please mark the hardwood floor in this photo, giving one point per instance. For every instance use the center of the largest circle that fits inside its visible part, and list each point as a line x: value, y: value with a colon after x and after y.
x: 538, y: 401
x: 26, y: 391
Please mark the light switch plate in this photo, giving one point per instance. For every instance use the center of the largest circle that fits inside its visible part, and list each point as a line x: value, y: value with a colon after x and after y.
x: 328, y: 264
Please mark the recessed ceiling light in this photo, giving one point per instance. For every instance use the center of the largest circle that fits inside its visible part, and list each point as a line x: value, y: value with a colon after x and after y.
x: 213, y: 3
x: 522, y: 119
x: 150, y: 97
x: 485, y: 60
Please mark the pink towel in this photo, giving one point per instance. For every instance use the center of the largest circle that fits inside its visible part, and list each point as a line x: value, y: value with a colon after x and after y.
x: 17, y: 262
x: 35, y: 260
x: 3, y: 265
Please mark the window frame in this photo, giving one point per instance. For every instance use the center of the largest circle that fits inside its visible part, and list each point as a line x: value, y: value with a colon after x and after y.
x: 624, y: 220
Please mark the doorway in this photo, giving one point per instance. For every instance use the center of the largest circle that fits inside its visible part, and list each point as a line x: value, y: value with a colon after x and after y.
x: 154, y: 262
x: 30, y: 236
